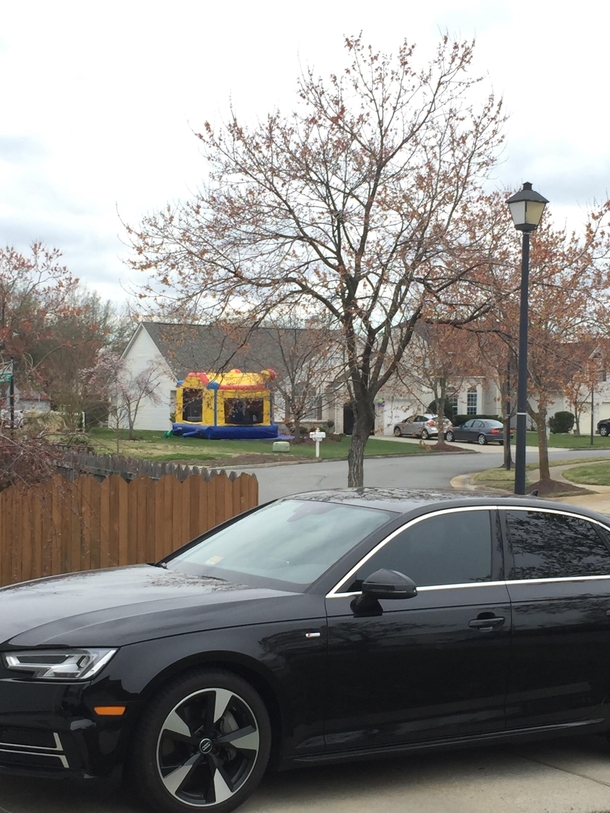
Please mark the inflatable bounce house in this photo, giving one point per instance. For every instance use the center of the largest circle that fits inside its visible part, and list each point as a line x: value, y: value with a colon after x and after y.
x: 225, y: 405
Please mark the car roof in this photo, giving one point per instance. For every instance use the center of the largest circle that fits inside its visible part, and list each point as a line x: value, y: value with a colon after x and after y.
x: 415, y: 501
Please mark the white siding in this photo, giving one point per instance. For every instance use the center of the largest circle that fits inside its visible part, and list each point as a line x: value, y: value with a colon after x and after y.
x: 140, y: 354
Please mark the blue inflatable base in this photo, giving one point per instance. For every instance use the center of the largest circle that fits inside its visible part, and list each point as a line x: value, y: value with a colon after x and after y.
x: 196, y: 430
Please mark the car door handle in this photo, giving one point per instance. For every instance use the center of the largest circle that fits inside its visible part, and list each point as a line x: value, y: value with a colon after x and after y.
x: 486, y: 624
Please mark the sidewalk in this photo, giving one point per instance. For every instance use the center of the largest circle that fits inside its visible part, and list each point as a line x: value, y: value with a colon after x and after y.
x: 598, y: 500
x: 467, y: 447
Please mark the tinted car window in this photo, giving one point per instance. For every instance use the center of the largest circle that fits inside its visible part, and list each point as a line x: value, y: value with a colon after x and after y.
x: 451, y: 548
x: 547, y: 545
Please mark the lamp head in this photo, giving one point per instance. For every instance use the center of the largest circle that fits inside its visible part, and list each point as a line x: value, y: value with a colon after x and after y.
x: 526, y: 208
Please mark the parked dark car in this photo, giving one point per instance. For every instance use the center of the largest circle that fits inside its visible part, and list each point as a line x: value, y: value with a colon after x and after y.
x: 603, y: 427
x: 322, y: 627
x: 424, y: 425
x: 479, y: 430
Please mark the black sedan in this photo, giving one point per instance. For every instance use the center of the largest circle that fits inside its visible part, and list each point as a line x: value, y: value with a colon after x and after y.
x: 478, y: 430
x: 603, y: 427
x: 322, y: 627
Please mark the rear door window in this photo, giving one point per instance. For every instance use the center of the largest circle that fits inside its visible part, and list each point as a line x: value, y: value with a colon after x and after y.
x: 549, y: 545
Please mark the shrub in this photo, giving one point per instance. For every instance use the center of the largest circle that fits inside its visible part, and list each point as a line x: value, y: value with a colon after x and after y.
x: 96, y: 414
x: 76, y: 442
x: 25, y: 459
x: 561, y: 422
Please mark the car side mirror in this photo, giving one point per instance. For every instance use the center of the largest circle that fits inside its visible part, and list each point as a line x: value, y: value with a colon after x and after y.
x: 386, y: 583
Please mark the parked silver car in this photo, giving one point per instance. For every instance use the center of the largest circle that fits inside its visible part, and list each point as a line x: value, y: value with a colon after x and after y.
x: 424, y: 425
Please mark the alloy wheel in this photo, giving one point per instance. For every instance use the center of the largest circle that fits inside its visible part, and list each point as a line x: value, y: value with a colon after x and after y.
x: 202, y: 743
x: 207, y: 747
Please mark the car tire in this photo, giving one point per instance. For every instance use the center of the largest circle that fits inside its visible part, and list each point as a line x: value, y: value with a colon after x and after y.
x: 603, y: 431
x: 449, y: 436
x: 397, y: 432
x: 481, y: 440
x: 179, y: 767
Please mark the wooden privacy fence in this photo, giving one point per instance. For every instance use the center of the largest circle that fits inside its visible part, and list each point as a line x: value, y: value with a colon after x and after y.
x: 74, y: 464
x: 60, y: 526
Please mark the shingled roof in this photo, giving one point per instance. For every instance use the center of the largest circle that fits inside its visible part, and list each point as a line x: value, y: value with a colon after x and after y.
x: 210, y: 348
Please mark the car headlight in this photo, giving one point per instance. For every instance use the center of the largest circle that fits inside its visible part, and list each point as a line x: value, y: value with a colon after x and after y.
x: 58, y: 664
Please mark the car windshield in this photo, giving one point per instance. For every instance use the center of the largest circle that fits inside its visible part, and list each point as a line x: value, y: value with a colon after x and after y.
x: 292, y: 540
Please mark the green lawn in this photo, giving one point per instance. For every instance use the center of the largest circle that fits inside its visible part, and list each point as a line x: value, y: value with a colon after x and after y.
x: 570, y: 441
x: 590, y: 473
x: 594, y: 474
x: 153, y: 445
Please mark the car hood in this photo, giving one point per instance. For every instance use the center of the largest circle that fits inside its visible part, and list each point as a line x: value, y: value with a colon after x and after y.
x: 124, y: 605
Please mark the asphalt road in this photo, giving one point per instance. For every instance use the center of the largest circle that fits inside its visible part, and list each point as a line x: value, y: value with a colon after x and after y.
x: 566, y: 776
x: 413, y: 471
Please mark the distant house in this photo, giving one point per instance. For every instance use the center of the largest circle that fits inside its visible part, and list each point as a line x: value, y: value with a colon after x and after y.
x: 176, y: 350
x: 30, y: 401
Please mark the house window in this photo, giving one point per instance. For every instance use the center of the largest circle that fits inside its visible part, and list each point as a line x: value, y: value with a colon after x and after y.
x: 307, y: 402
x: 319, y: 408
x: 454, y: 405
x: 471, y: 401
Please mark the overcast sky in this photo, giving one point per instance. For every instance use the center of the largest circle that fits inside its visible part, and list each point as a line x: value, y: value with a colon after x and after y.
x: 100, y: 100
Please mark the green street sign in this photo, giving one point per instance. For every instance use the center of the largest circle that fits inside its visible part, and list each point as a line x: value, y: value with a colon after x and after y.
x: 5, y: 378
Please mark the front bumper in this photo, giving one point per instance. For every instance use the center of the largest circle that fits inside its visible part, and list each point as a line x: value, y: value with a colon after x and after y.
x: 52, y: 730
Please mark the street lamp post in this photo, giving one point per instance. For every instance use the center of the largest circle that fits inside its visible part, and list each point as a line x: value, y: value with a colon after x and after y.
x: 526, y: 208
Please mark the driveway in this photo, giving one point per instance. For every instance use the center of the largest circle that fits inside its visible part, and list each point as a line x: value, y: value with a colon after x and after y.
x: 568, y: 776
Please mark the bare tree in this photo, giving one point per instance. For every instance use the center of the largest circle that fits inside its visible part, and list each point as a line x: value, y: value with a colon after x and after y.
x: 440, y: 360
x: 362, y: 204
x: 568, y: 310
x: 311, y: 371
x: 111, y: 378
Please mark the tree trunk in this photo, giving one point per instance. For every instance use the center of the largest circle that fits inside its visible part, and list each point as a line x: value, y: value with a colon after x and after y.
x: 440, y: 422
x: 117, y: 435
x: 296, y: 424
x: 508, y: 460
x: 364, y: 421
x: 543, y: 444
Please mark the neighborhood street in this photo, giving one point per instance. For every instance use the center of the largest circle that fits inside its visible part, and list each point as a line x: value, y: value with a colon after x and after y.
x: 566, y: 776
x: 414, y: 471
